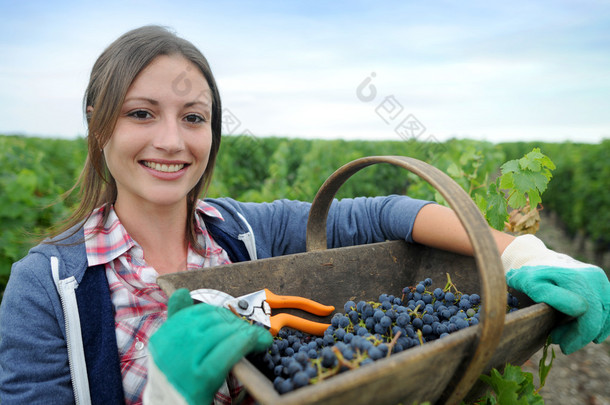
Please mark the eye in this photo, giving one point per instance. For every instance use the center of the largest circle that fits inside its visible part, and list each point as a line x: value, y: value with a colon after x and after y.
x: 139, y: 114
x: 194, y: 119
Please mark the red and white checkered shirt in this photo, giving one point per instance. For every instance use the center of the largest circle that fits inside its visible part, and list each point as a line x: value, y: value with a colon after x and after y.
x: 140, y: 305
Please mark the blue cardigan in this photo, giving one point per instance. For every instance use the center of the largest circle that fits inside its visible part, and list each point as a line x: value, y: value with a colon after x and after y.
x: 34, y: 365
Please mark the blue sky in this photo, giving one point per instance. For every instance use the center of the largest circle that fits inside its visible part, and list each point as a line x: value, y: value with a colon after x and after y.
x: 497, y: 71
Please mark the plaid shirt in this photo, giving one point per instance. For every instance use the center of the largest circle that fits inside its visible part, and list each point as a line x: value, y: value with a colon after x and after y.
x: 140, y: 305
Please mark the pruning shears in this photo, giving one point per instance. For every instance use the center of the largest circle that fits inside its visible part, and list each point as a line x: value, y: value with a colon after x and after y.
x: 257, y: 307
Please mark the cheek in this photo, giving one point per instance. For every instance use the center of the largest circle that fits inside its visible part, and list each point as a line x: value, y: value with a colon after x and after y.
x: 202, y: 149
x: 110, y: 156
x: 117, y: 152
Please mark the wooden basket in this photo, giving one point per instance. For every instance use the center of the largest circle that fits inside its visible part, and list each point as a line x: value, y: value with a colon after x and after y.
x: 443, y: 371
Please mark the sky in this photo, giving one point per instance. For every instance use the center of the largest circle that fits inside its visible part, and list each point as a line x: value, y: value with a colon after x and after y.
x: 496, y: 71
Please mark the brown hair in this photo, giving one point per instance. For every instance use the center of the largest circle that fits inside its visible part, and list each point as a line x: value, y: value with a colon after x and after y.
x: 111, y: 76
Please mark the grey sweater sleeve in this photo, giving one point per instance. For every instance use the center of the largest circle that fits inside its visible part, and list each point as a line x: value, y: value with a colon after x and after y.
x: 280, y: 226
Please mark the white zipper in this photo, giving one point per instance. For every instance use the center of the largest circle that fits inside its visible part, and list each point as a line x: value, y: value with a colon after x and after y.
x: 76, y: 354
x: 248, y: 239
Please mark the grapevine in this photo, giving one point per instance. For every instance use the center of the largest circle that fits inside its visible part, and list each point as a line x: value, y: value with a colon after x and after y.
x: 514, y: 386
x: 519, y: 187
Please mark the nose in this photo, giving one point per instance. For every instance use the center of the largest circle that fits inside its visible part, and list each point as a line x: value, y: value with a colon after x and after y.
x: 168, y: 137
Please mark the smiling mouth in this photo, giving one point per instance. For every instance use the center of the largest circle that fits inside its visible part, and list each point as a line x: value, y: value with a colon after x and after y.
x: 163, y: 167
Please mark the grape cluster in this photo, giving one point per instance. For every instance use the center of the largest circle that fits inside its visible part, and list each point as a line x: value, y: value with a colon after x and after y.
x: 368, y: 331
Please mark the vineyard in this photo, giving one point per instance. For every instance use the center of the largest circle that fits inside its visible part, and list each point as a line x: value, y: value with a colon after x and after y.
x: 36, y: 172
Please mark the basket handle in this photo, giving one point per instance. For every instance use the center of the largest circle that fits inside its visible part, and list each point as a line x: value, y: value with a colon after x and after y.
x: 487, y: 258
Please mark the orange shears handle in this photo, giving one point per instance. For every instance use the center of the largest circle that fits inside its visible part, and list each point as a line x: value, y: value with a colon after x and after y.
x: 288, y: 301
x: 280, y: 320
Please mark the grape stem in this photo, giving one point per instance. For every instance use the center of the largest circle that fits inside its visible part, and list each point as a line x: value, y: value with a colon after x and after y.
x: 415, y: 312
x: 341, y: 359
x: 450, y: 284
x: 392, y: 343
x: 420, y: 337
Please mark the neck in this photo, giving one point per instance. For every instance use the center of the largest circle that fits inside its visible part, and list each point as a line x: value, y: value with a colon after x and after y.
x: 160, y: 231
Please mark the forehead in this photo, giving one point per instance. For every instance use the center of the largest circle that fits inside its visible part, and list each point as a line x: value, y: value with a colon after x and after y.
x: 171, y: 76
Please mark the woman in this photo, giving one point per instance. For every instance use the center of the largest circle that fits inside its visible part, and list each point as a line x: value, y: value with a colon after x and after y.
x: 80, y: 309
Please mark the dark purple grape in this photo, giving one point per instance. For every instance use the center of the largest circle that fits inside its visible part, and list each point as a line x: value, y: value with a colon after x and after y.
x: 340, y: 334
x: 385, y: 321
x: 285, y: 386
x: 403, y: 320
x: 367, y: 328
x: 464, y: 304
x: 300, y: 379
x: 349, y: 305
x: 375, y: 353
x: 293, y: 367
x: 449, y: 297
x: 328, y: 357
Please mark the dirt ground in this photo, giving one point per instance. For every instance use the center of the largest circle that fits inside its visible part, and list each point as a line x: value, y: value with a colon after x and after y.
x: 583, y: 377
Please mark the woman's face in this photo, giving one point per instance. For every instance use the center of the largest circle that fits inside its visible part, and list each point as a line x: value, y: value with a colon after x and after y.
x: 161, y: 143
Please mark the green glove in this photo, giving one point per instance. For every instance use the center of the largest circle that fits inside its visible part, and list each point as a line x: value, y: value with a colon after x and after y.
x: 572, y: 287
x: 196, y: 348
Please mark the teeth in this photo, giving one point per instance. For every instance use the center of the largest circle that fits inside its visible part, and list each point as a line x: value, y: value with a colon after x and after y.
x: 163, y: 167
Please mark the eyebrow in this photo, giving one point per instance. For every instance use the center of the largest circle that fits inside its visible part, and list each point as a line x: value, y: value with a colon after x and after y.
x: 155, y: 102
x: 192, y: 103
x: 148, y: 100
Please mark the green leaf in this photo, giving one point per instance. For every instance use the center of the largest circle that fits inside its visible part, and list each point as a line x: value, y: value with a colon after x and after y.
x: 517, y: 199
x: 481, y: 203
x: 506, y: 181
x: 510, y: 167
x: 514, y: 387
x: 531, y: 161
x: 540, y: 181
x: 526, y: 178
x: 524, y: 181
x: 543, y: 368
x: 504, y: 389
x: 534, y: 197
x: 496, y: 211
x: 547, y: 162
x: 454, y: 171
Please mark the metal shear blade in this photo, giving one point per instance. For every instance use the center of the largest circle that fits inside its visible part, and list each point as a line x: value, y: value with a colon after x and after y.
x: 257, y: 307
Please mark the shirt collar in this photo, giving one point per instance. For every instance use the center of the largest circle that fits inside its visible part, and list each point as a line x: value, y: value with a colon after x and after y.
x: 113, y: 240
x: 205, y: 209
x: 109, y: 242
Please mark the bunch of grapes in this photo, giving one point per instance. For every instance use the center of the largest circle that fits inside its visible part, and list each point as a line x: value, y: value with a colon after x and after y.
x: 369, y: 331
